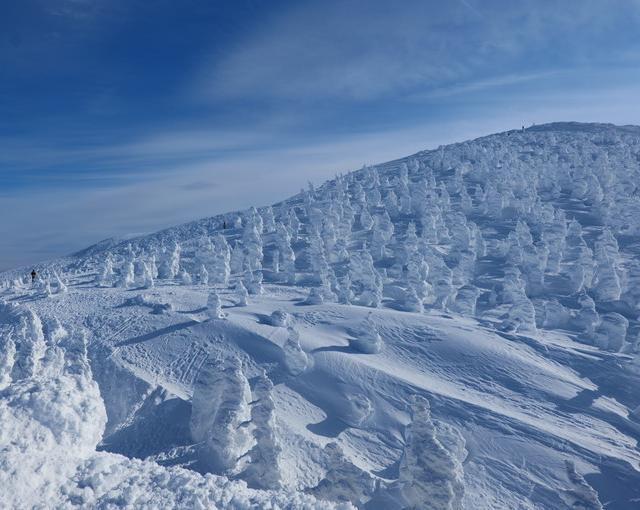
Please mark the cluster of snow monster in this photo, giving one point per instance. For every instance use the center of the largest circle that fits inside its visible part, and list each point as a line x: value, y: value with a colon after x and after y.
x: 53, y: 417
x: 525, y: 231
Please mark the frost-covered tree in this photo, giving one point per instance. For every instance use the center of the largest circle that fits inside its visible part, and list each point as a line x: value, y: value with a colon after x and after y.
x: 253, y: 280
x: 241, y: 294
x: 341, y: 251
x: 127, y: 275
x: 153, y: 266
x: 391, y: 204
x: 28, y: 340
x: 418, y: 275
x: 237, y: 259
x: 606, y: 282
x: 366, y: 220
x: 275, y: 261
x: 366, y: 278
x: 315, y: 297
x: 611, y: 332
x: 46, y: 286
x: 106, y: 275
x: 521, y: 315
x: 554, y: 235
x: 184, y: 277
x: 202, y: 275
x: 204, y: 252
x: 382, y: 233
x: 253, y: 220
x: 440, y: 277
x: 430, y: 222
x: 145, y: 279
x: 285, y: 253
x: 7, y: 344
x: 220, y: 411
x: 322, y: 272
x: 429, y: 472
x: 411, y: 241
x: 374, y: 197
x: 367, y: 339
x: 293, y: 224
x: 478, y: 243
x: 264, y: 470
x: 404, y: 200
x: 464, y: 300
x: 268, y: 220
x: 295, y: 359
x: 328, y: 234
x: 631, y: 286
x: 466, y: 203
x: 586, y: 318
x: 252, y: 241
x: 577, y: 259
x: 54, y: 332
x: 345, y: 293
x: 214, y: 306
x: 411, y: 301
x: 170, y: 265
x: 220, y: 267
x: 494, y: 201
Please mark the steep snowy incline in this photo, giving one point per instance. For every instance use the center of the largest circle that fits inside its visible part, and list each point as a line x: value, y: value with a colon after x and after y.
x: 456, y: 329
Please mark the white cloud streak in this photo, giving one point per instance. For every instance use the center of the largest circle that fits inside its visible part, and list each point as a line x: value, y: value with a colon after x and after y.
x: 344, y: 50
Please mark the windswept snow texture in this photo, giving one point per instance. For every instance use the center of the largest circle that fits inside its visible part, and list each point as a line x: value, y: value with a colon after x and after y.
x: 456, y: 329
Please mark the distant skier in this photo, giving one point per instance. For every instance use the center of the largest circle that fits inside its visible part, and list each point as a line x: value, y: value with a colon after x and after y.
x: 33, y: 275
x: 224, y: 225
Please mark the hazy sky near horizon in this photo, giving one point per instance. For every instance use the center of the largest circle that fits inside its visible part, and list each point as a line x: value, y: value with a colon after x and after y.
x: 126, y: 116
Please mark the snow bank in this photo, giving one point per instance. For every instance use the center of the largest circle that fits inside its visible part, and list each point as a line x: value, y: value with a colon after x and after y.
x: 51, y: 413
x: 112, y: 481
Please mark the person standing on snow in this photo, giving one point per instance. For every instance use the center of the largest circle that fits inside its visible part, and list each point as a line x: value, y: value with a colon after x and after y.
x: 33, y: 275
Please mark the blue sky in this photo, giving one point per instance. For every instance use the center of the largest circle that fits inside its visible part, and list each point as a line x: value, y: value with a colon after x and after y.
x: 126, y: 116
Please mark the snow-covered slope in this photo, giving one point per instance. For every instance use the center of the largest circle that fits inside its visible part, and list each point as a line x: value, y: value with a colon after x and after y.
x: 456, y: 329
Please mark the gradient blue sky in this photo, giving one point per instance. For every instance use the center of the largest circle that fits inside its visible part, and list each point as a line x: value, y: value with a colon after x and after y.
x: 126, y: 116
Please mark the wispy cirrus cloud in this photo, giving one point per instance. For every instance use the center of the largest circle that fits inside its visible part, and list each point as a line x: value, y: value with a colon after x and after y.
x: 362, y: 52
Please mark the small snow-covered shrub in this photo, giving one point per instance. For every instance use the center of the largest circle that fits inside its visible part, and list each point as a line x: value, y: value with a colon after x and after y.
x: 214, y: 306
x: 295, y: 359
x: 280, y: 319
x: 367, y: 339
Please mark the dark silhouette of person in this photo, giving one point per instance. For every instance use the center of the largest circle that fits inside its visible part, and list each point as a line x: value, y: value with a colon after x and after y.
x: 33, y: 275
x: 224, y: 225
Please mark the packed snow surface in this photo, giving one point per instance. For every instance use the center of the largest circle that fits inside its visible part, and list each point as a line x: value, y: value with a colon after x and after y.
x: 456, y: 329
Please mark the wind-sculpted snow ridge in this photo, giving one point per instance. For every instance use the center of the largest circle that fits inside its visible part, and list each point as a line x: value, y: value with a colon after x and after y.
x: 455, y: 329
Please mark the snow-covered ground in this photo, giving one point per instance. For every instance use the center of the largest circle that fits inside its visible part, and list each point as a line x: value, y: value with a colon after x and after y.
x: 457, y: 329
